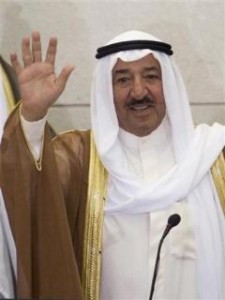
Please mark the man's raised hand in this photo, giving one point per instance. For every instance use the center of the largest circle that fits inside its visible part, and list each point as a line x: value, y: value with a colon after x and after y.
x: 40, y: 87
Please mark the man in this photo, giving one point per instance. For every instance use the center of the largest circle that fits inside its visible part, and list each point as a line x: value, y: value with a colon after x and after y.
x: 89, y: 222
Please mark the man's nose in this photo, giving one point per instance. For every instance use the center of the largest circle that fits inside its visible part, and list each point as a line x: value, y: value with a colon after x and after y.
x: 138, y: 89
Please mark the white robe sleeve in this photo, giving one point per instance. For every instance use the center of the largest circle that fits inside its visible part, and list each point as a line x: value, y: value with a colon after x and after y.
x: 34, y: 132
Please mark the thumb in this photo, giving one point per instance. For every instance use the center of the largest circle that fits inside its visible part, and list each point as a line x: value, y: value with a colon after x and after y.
x: 64, y: 75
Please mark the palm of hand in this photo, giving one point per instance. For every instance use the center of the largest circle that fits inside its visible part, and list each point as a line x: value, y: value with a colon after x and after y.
x: 39, y: 84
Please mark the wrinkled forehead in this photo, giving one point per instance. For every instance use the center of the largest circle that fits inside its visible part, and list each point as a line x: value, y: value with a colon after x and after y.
x: 146, y: 62
x: 134, y: 58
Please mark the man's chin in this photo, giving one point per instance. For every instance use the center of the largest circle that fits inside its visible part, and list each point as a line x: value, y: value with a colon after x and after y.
x: 143, y: 131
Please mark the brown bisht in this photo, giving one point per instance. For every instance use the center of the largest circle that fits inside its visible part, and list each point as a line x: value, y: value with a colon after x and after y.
x: 46, y: 204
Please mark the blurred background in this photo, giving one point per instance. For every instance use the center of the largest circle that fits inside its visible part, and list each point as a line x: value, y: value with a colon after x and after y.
x: 195, y: 29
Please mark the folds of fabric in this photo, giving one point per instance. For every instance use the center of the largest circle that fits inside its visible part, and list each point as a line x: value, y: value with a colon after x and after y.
x: 45, y: 228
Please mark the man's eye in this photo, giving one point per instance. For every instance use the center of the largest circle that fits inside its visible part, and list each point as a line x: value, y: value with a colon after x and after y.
x: 151, y: 76
x: 122, y: 81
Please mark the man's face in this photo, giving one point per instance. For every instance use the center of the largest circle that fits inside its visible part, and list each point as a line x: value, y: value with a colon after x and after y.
x: 138, y: 95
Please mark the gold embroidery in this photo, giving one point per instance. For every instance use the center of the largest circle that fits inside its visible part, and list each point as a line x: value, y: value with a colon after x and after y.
x: 218, y: 173
x: 91, y: 275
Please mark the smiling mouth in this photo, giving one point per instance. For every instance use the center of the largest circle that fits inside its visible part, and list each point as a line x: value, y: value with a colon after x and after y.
x: 140, y: 106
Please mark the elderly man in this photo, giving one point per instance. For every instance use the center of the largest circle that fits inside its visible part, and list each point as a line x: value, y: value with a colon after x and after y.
x: 88, y: 209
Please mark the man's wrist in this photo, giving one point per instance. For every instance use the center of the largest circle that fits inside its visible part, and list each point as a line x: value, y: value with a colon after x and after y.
x: 32, y: 115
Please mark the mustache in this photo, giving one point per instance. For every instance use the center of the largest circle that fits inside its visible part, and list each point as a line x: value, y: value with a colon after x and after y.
x: 144, y: 101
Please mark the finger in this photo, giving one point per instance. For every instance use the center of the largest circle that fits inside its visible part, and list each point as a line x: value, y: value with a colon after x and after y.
x: 64, y: 75
x: 36, y: 46
x: 26, y: 53
x: 15, y: 63
x: 51, y: 51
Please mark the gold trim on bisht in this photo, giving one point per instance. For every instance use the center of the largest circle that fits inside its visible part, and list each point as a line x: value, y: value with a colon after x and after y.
x: 218, y: 173
x: 91, y: 275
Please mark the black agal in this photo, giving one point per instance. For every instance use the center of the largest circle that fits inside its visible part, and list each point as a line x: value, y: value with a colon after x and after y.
x: 133, y: 45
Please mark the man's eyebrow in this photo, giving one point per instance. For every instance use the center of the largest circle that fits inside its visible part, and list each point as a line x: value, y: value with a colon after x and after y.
x: 153, y: 68
x: 124, y: 71
x: 121, y: 71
